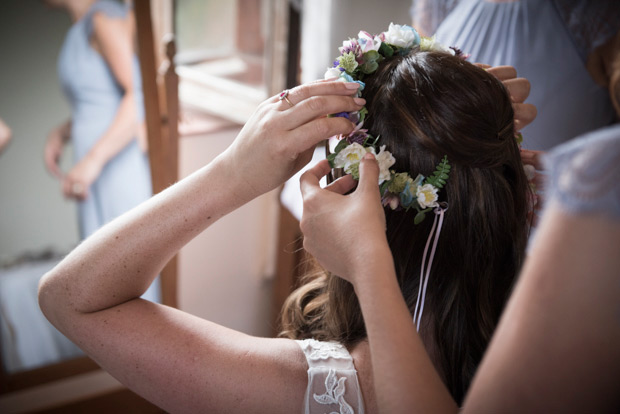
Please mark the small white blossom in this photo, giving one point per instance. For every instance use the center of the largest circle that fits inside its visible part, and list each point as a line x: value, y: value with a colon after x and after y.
x: 402, y: 36
x: 431, y: 44
x: 349, y: 156
x: 385, y: 160
x: 332, y: 73
x: 530, y: 171
x: 427, y: 196
x: 348, y: 45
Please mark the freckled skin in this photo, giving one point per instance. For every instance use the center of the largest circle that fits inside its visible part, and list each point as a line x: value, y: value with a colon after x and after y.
x: 176, y: 360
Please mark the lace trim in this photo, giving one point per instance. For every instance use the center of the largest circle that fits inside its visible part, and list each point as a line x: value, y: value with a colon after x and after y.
x: 585, y: 173
x: 316, y: 350
x: 334, y: 393
x: 589, y: 23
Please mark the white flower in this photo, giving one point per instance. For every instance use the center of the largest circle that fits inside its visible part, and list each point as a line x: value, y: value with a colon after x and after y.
x: 332, y: 73
x: 348, y: 45
x: 530, y: 171
x: 385, y: 160
x: 427, y: 196
x: 402, y: 36
x: 431, y: 44
x: 350, y: 156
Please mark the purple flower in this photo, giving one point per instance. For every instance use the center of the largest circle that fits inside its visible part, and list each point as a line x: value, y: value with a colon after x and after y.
x: 341, y: 115
x: 358, y: 135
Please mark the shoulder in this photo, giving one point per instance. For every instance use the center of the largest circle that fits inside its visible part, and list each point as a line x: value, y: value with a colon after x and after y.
x: 584, y: 173
x: 109, y: 8
x: 104, y: 11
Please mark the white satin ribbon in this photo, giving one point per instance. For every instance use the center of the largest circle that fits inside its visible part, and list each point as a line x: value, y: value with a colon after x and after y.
x: 426, y: 271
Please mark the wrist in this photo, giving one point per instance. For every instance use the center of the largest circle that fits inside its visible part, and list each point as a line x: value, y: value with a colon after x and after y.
x: 375, y: 271
x: 96, y: 157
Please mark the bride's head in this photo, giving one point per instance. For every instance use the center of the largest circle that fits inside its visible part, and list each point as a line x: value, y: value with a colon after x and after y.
x: 422, y: 106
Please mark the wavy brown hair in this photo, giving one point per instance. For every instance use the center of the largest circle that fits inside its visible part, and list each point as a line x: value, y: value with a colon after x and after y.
x: 423, y: 106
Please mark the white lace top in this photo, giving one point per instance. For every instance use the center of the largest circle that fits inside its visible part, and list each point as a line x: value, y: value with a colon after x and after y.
x: 333, y: 387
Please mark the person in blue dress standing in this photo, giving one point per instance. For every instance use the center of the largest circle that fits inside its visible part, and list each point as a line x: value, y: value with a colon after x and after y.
x: 100, y: 76
x: 555, y: 44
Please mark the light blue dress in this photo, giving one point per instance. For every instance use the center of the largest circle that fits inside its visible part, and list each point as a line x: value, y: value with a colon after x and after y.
x: 547, y: 42
x: 95, y: 95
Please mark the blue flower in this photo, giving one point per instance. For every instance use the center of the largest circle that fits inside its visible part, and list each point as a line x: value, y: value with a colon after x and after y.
x: 407, y: 197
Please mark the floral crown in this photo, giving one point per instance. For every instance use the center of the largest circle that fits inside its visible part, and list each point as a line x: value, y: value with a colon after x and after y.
x: 358, y: 59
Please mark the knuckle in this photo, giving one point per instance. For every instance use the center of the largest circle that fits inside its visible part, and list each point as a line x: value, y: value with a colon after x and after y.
x: 317, y: 103
x: 322, y: 127
x: 302, y: 92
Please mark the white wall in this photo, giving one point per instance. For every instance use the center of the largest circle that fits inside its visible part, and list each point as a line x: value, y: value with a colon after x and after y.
x: 225, y: 272
x: 33, y: 214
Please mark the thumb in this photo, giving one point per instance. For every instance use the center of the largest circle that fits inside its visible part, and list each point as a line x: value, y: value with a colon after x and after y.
x: 369, y: 173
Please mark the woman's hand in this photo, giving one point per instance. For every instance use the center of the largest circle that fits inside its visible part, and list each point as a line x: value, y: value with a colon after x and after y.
x: 280, y: 136
x: 53, y: 150
x: 77, y: 182
x: 344, y: 232
x: 519, y: 90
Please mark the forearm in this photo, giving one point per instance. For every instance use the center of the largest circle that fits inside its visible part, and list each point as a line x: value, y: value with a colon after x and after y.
x: 119, y: 134
x: 119, y: 261
x: 398, y: 354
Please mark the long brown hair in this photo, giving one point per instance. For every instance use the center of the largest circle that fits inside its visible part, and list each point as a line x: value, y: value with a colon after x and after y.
x: 423, y: 106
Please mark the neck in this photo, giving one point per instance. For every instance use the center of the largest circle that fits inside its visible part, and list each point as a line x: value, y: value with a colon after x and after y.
x: 78, y: 8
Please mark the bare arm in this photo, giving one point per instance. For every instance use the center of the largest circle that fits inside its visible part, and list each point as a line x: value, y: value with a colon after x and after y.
x: 557, y: 347
x: 112, y: 38
x: 178, y: 361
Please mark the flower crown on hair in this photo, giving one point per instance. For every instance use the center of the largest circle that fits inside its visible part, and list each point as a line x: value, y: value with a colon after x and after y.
x: 360, y: 58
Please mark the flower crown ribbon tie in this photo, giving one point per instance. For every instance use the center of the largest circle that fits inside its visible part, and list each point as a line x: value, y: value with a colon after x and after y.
x: 426, y: 271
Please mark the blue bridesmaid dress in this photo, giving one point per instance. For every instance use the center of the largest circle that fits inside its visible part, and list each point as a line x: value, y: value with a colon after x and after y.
x: 548, y: 43
x: 95, y: 95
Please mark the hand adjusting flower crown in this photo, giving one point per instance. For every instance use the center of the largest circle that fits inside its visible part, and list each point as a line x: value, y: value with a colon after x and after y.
x: 360, y: 58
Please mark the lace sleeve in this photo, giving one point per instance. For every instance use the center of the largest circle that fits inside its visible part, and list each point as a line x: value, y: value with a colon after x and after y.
x: 332, y: 379
x: 584, y: 174
x: 589, y: 23
x: 427, y: 15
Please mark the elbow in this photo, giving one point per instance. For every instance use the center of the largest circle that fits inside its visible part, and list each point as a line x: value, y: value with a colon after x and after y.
x: 48, y: 298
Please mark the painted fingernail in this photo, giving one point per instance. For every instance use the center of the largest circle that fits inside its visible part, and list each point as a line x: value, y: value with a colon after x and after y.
x: 359, y: 101
x: 369, y: 156
x: 351, y: 85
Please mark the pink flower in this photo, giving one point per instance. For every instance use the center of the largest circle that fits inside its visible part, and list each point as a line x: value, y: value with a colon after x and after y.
x: 391, y: 200
x: 367, y: 42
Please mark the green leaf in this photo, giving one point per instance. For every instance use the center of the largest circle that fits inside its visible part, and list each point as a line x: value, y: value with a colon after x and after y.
x: 331, y: 157
x: 341, y: 145
x: 384, y: 186
x: 441, y: 173
x: 419, y: 218
x: 369, y: 67
x: 362, y: 113
x: 386, y: 50
x: 371, y: 56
